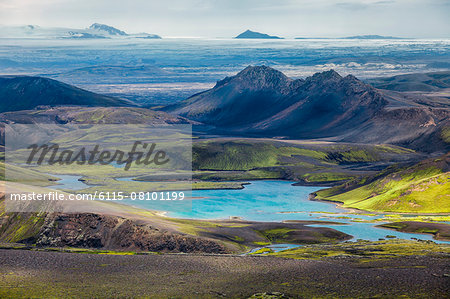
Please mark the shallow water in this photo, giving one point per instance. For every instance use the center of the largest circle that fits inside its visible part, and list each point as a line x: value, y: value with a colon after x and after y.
x: 68, y: 182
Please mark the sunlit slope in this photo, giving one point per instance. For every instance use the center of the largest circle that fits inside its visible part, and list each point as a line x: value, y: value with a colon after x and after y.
x: 422, y: 188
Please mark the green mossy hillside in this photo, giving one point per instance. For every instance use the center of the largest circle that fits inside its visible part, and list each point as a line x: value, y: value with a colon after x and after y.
x: 421, y: 188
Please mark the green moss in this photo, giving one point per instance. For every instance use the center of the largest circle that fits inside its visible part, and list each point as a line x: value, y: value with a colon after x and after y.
x: 393, y: 149
x: 326, y: 177
x: 261, y: 243
x: 18, y: 227
x: 440, y: 231
x: 394, y: 225
x: 277, y: 234
x: 264, y: 250
x: 358, y: 156
x: 445, y: 134
x: 425, y: 230
x: 238, y: 239
x: 254, y: 174
x: 365, y: 249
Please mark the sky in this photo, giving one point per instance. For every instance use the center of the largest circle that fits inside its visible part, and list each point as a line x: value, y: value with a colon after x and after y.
x: 227, y: 18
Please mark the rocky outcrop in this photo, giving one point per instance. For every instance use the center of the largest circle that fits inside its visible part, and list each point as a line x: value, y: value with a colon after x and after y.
x: 98, y: 231
x: 117, y: 233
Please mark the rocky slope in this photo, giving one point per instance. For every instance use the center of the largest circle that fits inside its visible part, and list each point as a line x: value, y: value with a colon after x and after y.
x: 89, y: 230
x: 102, y: 231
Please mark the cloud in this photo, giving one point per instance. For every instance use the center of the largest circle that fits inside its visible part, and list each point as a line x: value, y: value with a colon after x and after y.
x: 351, y: 5
x: 222, y: 18
x: 387, y: 2
x: 360, y: 5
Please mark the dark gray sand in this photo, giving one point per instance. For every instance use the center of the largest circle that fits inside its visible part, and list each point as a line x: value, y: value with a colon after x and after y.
x: 54, y: 274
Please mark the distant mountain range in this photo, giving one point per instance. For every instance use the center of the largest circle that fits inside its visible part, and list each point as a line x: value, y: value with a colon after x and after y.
x: 102, y: 31
x: 95, y: 31
x: 372, y: 37
x: 90, y: 72
x: 355, y: 37
x: 261, y: 101
x: 253, y: 34
x: 23, y: 92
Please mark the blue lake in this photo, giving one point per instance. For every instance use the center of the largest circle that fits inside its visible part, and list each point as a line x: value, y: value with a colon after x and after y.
x: 68, y: 182
x: 266, y: 201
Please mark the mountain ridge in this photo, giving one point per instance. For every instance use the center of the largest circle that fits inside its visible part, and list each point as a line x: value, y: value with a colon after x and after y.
x: 268, y: 88
x: 260, y: 101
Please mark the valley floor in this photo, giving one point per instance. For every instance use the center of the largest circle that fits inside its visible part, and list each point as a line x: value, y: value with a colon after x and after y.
x: 25, y: 273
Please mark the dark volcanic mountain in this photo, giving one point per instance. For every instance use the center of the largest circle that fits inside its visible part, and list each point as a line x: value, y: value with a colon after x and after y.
x: 23, y: 92
x: 261, y: 101
x: 254, y: 34
x: 258, y: 90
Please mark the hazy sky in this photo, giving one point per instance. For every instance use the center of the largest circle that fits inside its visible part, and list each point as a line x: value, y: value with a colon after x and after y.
x: 225, y: 18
